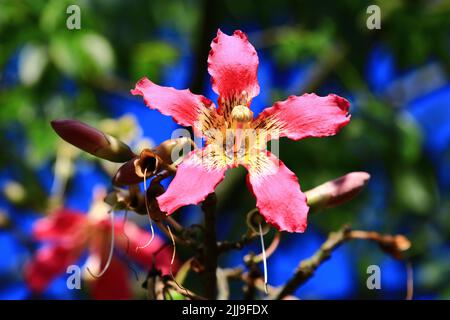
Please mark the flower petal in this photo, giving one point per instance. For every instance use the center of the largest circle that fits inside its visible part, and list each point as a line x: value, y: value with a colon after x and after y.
x: 278, y: 195
x: 185, y: 107
x: 114, y: 284
x: 48, y: 263
x: 135, y: 237
x: 63, y: 224
x: 196, y: 177
x: 233, y: 66
x: 306, y: 116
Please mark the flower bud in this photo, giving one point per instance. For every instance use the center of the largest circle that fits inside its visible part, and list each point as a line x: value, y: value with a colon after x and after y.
x: 338, y: 191
x: 153, y: 191
x: 148, y: 163
x: 116, y: 199
x: 169, y: 150
x: 395, y: 245
x: 132, y: 171
x: 92, y: 140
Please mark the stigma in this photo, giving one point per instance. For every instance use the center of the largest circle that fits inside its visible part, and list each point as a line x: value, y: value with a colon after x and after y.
x: 242, y: 114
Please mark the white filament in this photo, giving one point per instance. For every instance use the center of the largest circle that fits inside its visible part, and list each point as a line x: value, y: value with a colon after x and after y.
x: 174, y: 251
x: 173, y: 259
x: 111, y: 249
x: 148, y: 214
x: 264, y: 257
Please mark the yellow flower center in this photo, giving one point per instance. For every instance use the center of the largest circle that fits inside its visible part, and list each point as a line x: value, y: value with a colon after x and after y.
x: 241, y: 114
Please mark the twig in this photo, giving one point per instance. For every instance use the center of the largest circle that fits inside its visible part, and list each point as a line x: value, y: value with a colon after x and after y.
x: 270, y: 250
x: 225, y: 246
x: 233, y: 273
x: 184, y: 292
x: 154, y: 285
x: 178, y: 227
x: 410, y: 281
x: 166, y: 232
x: 222, y: 285
x: 306, y: 268
x: 210, y: 253
x: 239, y: 274
x: 252, y: 275
x: 259, y: 284
x: 151, y: 288
x: 393, y: 245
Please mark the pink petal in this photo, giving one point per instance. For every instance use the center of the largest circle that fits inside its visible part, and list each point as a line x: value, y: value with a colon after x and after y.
x: 114, y: 284
x: 61, y: 225
x: 278, y: 195
x: 184, y: 106
x: 197, y: 176
x: 306, y: 116
x: 233, y: 65
x: 147, y: 256
x: 48, y: 263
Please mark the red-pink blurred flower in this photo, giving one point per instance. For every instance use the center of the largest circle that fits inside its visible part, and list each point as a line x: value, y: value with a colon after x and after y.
x: 233, y: 137
x: 70, y: 233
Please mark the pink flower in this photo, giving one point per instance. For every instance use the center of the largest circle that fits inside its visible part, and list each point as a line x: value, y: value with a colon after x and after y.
x: 233, y: 137
x: 70, y: 233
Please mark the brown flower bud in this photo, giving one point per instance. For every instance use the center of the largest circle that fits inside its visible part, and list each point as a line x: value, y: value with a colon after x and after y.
x: 117, y: 200
x: 122, y: 199
x: 134, y: 198
x: 148, y: 163
x: 338, y: 191
x: 153, y: 191
x: 395, y: 245
x: 132, y: 172
x: 92, y: 140
x: 169, y: 150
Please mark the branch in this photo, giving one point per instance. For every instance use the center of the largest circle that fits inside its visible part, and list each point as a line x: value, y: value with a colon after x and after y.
x: 225, y: 246
x: 393, y: 245
x: 206, y: 28
x: 269, y: 251
x: 306, y: 268
x: 239, y: 274
x: 210, y: 253
x: 258, y: 283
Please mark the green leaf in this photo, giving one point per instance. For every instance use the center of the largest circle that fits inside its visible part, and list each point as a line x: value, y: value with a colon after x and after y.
x: 148, y: 58
x: 410, y: 139
x: 413, y: 193
x: 32, y: 62
x: 84, y: 55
